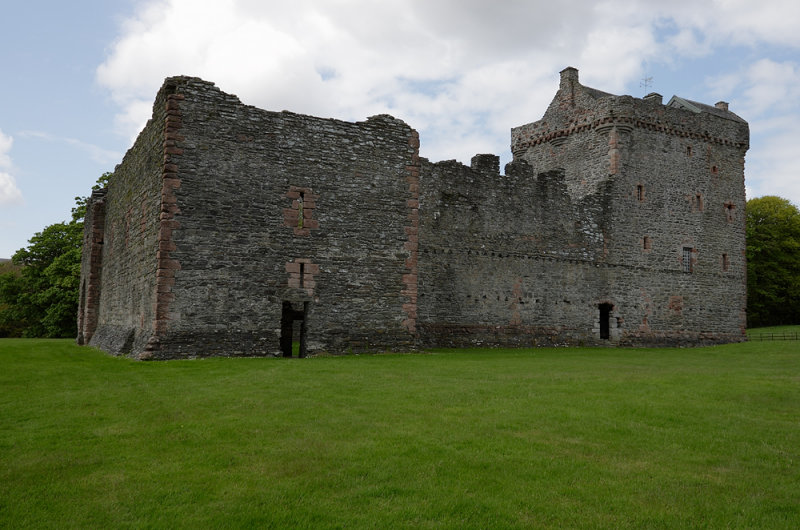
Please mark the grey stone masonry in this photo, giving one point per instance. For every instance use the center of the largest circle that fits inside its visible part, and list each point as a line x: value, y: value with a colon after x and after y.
x: 231, y: 230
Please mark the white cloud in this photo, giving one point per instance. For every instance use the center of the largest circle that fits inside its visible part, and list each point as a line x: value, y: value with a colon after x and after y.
x: 9, y: 192
x: 767, y: 93
x: 442, y: 66
x: 463, y: 72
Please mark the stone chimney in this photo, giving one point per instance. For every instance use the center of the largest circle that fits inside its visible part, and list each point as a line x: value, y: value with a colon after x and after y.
x: 721, y: 105
x: 654, y: 97
x: 569, y: 75
x: 566, y: 90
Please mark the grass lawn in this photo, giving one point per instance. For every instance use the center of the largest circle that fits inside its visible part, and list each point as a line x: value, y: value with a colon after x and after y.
x: 547, y: 438
x: 773, y: 332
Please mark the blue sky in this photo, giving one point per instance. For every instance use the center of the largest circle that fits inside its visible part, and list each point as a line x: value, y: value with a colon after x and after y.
x: 79, y: 77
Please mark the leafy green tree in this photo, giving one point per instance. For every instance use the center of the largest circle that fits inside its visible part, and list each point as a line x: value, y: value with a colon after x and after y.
x: 9, y: 279
x: 40, y: 299
x: 773, y: 262
x: 39, y: 289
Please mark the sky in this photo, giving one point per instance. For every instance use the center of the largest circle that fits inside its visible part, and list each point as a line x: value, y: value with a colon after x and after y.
x: 78, y: 79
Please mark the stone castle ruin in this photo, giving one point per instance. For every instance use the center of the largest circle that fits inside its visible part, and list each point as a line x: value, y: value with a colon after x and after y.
x: 231, y: 230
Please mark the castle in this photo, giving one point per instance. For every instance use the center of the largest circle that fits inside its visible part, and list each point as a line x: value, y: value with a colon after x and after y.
x: 231, y: 230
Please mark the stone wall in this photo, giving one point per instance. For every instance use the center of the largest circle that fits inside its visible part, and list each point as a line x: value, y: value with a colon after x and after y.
x: 674, y: 187
x: 265, y: 208
x: 128, y: 243
x: 230, y: 230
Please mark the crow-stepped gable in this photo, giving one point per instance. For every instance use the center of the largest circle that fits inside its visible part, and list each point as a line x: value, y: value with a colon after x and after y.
x: 231, y: 230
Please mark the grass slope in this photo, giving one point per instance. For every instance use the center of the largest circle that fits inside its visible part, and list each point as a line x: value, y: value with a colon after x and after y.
x: 612, y: 438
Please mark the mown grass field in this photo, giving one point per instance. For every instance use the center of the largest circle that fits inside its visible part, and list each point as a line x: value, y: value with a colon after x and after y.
x: 543, y: 438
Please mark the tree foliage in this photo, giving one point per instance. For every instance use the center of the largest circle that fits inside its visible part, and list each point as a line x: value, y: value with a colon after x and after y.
x: 40, y: 298
x: 39, y: 289
x: 773, y: 262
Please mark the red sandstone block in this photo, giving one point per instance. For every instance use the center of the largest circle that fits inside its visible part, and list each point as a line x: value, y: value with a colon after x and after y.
x: 291, y: 214
x: 411, y: 289
x: 310, y: 223
x: 293, y: 267
x: 412, y: 203
x: 410, y: 325
x: 293, y: 194
x: 294, y: 282
x: 165, y: 273
x: 312, y: 268
x: 410, y: 279
x: 411, y: 230
x: 411, y: 246
x: 301, y: 231
x: 166, y: 245
x: 170, y: 264
x: 308, y: 202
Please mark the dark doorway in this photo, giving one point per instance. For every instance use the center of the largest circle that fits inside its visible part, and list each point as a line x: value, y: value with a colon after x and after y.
x: 605, y: 316
x: 290, y: 315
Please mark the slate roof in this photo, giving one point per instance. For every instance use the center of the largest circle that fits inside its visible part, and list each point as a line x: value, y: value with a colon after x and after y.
x: 696, y: 107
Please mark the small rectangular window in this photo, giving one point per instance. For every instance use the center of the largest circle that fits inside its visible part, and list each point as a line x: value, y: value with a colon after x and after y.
x: 639, y: 192
x: 729, y: 209
x: 687, y: 259
x: 726, y: 263
x: 647, y: 243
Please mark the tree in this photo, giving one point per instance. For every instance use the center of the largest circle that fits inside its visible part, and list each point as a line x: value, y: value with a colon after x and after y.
x: 773, y: 262
x: 40, y: 299
x: 39, y: 290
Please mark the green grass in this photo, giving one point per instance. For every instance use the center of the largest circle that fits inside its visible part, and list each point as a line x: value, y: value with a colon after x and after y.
x: 543, y: 438
x: 774, y: 331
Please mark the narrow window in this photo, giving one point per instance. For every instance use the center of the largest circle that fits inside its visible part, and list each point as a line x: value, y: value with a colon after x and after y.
x: 639, y: 192
x: 698, y: 198
x: 729, y: 208
x: 647, y: 243
x: 725, y: 262
x: 688, y: 150
x: 687, y: 259
x: 300, y: 211
x: 302, y: 274
x: 714, y: 170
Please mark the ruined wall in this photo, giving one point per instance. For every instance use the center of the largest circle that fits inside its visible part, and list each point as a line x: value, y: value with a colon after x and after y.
x: 127, y: 243
x: 507, y: 259
x: 274, y: 208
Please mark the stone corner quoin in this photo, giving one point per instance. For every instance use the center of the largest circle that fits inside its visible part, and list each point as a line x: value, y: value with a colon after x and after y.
x: 236, y: 231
